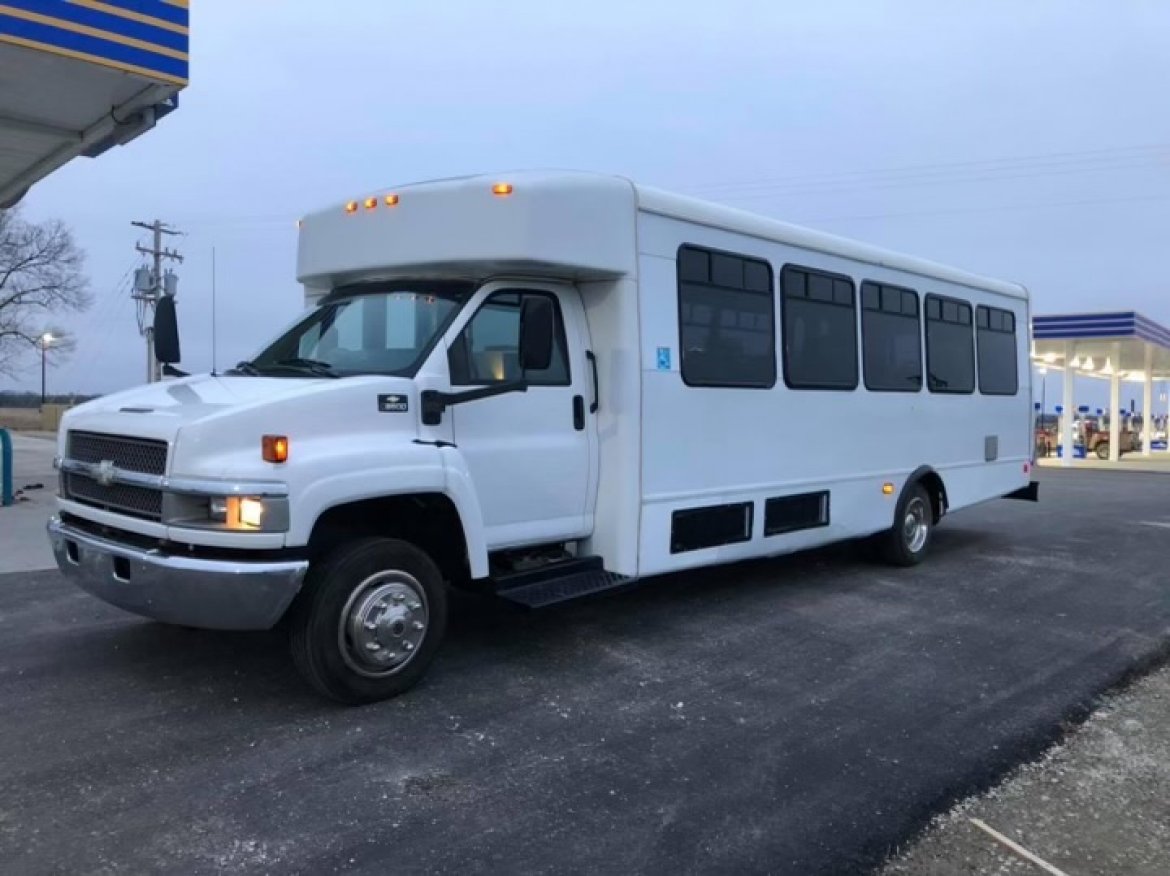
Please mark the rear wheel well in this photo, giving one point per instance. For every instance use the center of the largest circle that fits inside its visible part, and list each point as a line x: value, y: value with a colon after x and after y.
x: 429, y: 521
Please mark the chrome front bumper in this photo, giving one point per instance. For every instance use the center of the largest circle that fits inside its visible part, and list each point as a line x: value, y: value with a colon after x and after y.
x: 212, y: 594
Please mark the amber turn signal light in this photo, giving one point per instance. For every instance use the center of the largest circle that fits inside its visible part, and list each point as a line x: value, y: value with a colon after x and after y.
x: 274, y: 448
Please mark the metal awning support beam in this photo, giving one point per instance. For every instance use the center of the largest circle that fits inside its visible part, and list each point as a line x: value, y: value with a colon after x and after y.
x: 13, y: 190
x: 38, y: 128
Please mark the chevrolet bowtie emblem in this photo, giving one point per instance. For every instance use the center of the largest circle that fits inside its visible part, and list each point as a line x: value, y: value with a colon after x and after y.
x: 103, y: 472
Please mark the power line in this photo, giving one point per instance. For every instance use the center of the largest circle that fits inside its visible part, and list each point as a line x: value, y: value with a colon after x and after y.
x: 1002, y: 175
x: 1000, y: 209
x: 1039, y: 161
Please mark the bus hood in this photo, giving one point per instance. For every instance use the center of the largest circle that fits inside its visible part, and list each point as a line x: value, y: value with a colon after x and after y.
x: 159, y: 410
x: 221, y: 408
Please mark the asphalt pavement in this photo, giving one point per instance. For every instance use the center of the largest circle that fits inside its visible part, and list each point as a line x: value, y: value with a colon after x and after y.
x: 804, y: 715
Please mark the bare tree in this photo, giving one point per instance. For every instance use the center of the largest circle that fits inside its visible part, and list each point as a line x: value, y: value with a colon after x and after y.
x: 40, y: 276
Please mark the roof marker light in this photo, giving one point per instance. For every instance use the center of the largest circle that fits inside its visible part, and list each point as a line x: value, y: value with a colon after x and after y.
x: 351, y: 206
x: 371, y: 203
x: 392, y: 200
x: 502, y: 189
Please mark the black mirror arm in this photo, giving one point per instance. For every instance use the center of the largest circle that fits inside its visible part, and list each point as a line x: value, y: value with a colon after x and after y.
x: 435, y: 402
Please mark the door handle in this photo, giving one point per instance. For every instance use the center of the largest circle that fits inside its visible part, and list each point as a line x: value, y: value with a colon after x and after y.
x: 596, y: 391
x: 578, y: 412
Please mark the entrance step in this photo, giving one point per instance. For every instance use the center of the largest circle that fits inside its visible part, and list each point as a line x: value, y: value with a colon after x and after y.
x: 557, y: 582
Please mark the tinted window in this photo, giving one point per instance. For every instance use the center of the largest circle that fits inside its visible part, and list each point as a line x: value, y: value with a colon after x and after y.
x: 891, y: 338
x: 820, y: 329
x: 996, y: 331
x: 950, y: 345
x: 726, y: 319
x: 488, y: 348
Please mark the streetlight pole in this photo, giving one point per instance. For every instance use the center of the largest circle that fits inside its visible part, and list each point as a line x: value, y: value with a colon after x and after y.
x: 46, y: 339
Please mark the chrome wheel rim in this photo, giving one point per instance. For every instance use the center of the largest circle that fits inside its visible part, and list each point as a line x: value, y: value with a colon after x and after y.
x: 915, y: 525
x: 383, y: 624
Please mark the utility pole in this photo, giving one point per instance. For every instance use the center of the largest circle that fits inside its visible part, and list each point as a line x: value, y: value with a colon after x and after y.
x: 149, y: 286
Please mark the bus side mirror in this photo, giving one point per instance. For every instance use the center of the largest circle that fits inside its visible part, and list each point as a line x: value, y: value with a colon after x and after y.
x: 166, y: 331
x: 536, y: 333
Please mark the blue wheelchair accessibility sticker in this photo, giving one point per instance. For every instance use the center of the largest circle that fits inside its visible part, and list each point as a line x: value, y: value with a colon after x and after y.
x: 664, y: 358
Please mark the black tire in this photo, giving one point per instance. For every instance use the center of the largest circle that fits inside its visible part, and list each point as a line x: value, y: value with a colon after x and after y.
x: 388, y: 583
x: 1103, y: 450
x: 900, y: 545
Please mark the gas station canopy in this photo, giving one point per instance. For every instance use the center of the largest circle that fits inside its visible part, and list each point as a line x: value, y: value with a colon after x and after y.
x: 1125, y: 344
x: 80, y: 76
x: 1116, y: 346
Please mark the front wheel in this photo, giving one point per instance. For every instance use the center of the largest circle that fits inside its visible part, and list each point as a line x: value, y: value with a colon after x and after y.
x: 909, y: 537
x: 1103, y: 450
x: 369, y: 621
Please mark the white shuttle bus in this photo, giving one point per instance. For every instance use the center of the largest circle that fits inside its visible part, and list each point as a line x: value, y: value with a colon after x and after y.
x: 542, y: 385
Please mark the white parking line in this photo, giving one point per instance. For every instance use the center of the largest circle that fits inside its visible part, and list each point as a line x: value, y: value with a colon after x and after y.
x: 1164, y: 524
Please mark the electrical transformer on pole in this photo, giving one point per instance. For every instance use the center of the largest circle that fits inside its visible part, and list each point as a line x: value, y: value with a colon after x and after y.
x: 151, y: 283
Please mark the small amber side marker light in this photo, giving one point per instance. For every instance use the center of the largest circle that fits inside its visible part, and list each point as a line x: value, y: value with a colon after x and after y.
x: 371, y: 203
x: 392, y: 200
x: 351, y: 206
x: 274, y: 448
x: 502, y: 189
x: 888, y: 489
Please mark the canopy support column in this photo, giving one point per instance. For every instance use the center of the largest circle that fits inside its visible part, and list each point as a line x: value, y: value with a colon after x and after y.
x: 1067, y: 408
x: 1115, y: 405
x: 1148, y: 401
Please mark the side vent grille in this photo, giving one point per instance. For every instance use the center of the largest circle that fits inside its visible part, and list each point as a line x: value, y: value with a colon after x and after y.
x: 792, y: 513
x: 693, y: 529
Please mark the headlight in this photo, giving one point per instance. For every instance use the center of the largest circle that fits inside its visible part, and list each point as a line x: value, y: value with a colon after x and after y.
x: 251, y: 512
x: 235, y: 513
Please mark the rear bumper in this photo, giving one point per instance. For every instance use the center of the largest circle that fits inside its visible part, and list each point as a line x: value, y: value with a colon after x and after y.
x: 212, y: 594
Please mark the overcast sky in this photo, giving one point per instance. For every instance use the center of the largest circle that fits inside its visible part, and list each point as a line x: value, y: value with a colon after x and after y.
x: 1024, y: 140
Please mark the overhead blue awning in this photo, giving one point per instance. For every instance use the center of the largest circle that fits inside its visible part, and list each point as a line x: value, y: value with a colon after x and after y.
x: 81, y: 76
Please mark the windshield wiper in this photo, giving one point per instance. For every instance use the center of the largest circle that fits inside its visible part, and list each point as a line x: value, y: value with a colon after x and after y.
x: 316, y: 366
x: 244, y: 367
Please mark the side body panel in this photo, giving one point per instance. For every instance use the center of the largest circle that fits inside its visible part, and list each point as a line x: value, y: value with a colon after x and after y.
x: 712, y: 446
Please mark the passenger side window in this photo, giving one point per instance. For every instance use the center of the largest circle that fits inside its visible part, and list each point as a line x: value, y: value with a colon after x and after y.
x: 488, y: 349
x: 820, y: 329
x: 996, y: 334
x: 891, y: 338
x: 726, y: 309
x: 950, y: 345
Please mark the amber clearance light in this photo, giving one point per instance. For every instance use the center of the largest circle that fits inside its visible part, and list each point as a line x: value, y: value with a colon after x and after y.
x: 351, y: 206
x: 392, y: 200
x: 502, y: 189
x: 274, y: 448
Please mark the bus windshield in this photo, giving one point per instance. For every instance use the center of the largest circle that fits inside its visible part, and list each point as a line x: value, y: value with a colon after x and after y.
x: 366, y: 329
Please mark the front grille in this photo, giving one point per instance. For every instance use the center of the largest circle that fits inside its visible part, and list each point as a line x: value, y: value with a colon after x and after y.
x: 135, y: 501
x: 125, y: 452
x: 128, y: 453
